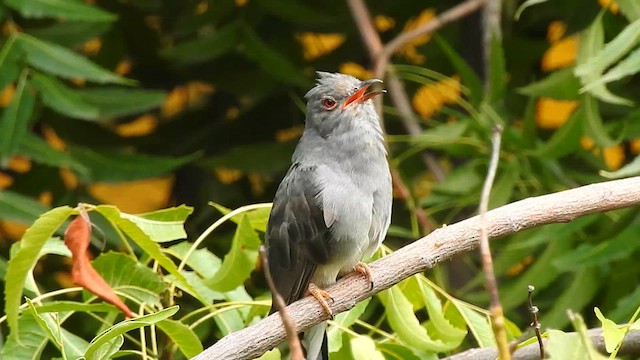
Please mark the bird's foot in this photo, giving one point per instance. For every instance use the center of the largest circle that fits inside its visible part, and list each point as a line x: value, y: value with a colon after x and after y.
x: 365, y: 270
x: 322, y: 297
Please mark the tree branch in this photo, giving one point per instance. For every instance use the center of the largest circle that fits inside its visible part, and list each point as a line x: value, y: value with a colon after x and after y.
x: 630, y: 346
x: 423, y: 254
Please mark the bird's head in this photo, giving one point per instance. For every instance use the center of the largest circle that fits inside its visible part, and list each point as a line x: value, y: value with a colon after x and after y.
x: 337, y: 96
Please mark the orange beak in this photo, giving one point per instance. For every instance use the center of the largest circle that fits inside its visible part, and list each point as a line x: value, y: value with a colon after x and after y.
x: 361, y: 95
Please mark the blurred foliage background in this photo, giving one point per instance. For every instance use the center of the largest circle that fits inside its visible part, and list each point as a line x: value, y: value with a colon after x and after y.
x: 146, y: 104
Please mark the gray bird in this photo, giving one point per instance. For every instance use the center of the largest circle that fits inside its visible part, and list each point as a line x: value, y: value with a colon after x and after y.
x: 333, y: 207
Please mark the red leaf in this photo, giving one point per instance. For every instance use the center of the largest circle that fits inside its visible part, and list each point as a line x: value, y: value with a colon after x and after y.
x: 77, y: 239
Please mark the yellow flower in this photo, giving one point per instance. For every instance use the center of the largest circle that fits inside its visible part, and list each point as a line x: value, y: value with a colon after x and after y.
x: 186, y: 97
x: 315, y: 45
x: 52, y: 138
x: 613, y: 157
x: 135, y: 196
x: 241, y: 2
x: 357, y: 70
x: 123, y: 67
x: 69, y: 179
x: 430, y: 98
x: 19, y: 164
x: 635, y: 146
x: 6, y: 95
x: 609, y: 4
x: 561, y: 54
x: 227, y: 176
x: 551, y: 113
x: 202, y: 7
x: 556, y: 30
x: 140, y: 126
x: 383, y: 23
x: 91, y: 47
x: 291, y: 133
x: 410, y: 49
x: 5, y: 180
x: 587, y: 143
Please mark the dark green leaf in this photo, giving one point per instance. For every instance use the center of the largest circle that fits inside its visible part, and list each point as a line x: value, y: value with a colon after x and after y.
x: 9, y: 56
x: 271, y: 61
x: 118, y: 102
x: 62, y: 99
x: 293, y: 11
x: 109, y: 166
x: 345, y: 320
x: 566, y: 139
x: 68, y: 343
x: 61, y: 9
x: 39, y: 151
x: 70, y: 33
x: 107, y: 350
x: 64, y: 306
x: 593, y: 122
x: 265, y: 158
x: 469, y: 77
x: 15, y: 119
x: 497, y: 72
x: 560, y: 84
x: 205, y: 48
x: 238, y: 264
x: 60, y: 61
x: 17, y: 207
x: 580, y: 291
x: 26, y: 257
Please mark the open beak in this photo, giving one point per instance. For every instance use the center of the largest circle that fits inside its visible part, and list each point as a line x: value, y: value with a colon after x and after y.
x: 361, y: 95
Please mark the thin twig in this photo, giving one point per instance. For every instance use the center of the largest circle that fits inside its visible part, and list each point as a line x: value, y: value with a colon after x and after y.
x: 535, y: 324
x: 290, y: 327
x: 497, y: 316
x: 491, y: 19
x: 423, y: 254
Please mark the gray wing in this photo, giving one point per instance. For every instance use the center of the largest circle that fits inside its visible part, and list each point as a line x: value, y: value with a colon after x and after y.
x: 297, y: 236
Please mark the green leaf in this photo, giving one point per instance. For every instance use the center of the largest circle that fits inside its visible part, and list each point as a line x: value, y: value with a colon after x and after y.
x: 126, y: 326
x: 581, y: 328
x: 581, y: 289
x: 630, y: 9
x: 469, y: 77
x: 592, y: 56
x: 70, y: 33
x: 72, y: 346
x: 60, y: 61
x: 65, y: 306
x: 400, y: 352
x: 626, y: 40
x: 566, y: 139
x: 560, y: 84
x: 593, y: 122
x: 258, y: 217
x: 265, y: 158
x: 15, y: 119
x: 271, y: 61
x: 163, y: 225
x: 611, y: 332
x: 60, y: 98
x: 181, y: 335
x: 9, y: 57
x: 442, y: 327
x: 107, y: 350
x: 25, y: 259
x: 404, y: 322
x: 563, y: 346
x: 626, y: 67
x: 36, y: 149
x: 111, y: 166
x: 497, y: 72
x: 32, y: 340
x: 479, y: 324
x: 363, y: 348
x: 238, y: 264
x: 525, y: 5
x: 296, y: 12
x: 631, y: 169
x: 130, y: 277
x: 273, y: 354
x: 344, y: 320
x: 119, y: 102
x: 150, y: 247
x: 17, y: 207
x: 60, y: 9
x: 206, y: 48
x: 202, y: 261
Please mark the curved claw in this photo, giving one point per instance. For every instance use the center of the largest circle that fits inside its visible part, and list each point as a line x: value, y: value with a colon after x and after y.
x: 322, y: 297
x: 365, y: 270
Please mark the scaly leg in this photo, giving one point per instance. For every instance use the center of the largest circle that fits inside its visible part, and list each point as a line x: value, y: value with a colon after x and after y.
x: 364, y: 269
x: 322, y: 297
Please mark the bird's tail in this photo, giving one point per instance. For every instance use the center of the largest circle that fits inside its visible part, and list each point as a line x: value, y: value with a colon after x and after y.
x: 315, y: 342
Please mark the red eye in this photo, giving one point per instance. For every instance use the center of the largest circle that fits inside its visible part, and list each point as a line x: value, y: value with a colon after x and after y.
x: 329, y: 104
